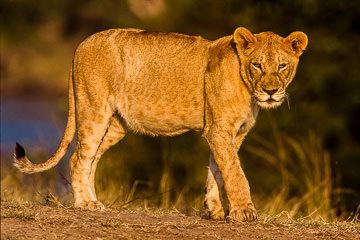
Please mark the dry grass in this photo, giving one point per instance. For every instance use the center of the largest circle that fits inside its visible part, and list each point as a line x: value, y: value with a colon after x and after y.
x: 306, y: 191
x: 307, y: 186
x: 20, y: 215
x: 160, y: 224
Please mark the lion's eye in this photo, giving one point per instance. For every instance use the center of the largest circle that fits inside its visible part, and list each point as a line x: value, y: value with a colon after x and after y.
x: 257, y: 66
x: 283, y: 66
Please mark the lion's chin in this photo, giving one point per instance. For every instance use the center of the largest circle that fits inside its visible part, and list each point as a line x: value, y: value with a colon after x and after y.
x: 270, y: 103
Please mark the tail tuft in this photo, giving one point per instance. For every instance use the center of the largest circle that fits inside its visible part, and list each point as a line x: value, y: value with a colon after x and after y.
x: 19, y: 151
x: 21, y: 162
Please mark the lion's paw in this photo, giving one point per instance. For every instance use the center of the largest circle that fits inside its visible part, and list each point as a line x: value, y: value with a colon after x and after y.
x: 217, y: 215
x: 213, y: 209
x: 91, y: 205
x: 247, y: 214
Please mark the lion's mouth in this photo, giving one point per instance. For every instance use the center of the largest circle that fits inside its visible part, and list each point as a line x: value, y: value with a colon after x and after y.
x: 269, y: 103
x: 268, y: 99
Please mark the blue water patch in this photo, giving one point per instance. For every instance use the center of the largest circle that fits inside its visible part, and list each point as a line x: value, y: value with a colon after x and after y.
x: 31, y: 123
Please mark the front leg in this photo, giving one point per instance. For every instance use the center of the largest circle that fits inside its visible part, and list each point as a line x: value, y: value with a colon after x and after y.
x: 224, y: 146
x: 214, y: 191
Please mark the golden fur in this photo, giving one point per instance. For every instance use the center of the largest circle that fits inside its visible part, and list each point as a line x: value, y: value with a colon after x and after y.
x: 166, y: 84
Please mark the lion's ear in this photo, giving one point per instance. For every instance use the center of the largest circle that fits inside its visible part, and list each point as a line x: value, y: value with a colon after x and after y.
x: 243, y: 37
x: 297, y: 41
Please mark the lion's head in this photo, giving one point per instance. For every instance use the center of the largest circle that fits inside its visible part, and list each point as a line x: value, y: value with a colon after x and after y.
x: 268, y: 63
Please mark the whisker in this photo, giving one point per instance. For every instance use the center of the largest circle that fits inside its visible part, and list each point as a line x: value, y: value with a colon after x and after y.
x: 287, y: 99
x: 253, y: 95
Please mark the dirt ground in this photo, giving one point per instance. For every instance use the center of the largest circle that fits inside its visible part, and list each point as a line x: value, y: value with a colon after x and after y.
x: 35, y: 221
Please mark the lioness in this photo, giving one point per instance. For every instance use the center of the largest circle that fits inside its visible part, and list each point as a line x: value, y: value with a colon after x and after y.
x: 166, y: 84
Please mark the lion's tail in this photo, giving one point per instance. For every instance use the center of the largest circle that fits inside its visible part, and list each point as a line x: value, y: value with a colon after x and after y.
x: 25, y: 165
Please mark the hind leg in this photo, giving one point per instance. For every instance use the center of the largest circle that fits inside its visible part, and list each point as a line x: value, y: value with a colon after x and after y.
x: 114, y: 134
x: 91, y: 133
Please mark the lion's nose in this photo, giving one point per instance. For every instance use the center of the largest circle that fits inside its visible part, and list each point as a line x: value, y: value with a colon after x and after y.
x: 270, y: 91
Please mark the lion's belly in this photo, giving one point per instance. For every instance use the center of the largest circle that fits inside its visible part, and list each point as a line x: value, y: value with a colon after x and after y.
x: 164, y: 125
x: 161, y: 116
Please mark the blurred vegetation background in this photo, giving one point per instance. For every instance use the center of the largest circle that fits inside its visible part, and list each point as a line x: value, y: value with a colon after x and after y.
x: 303, y: 159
